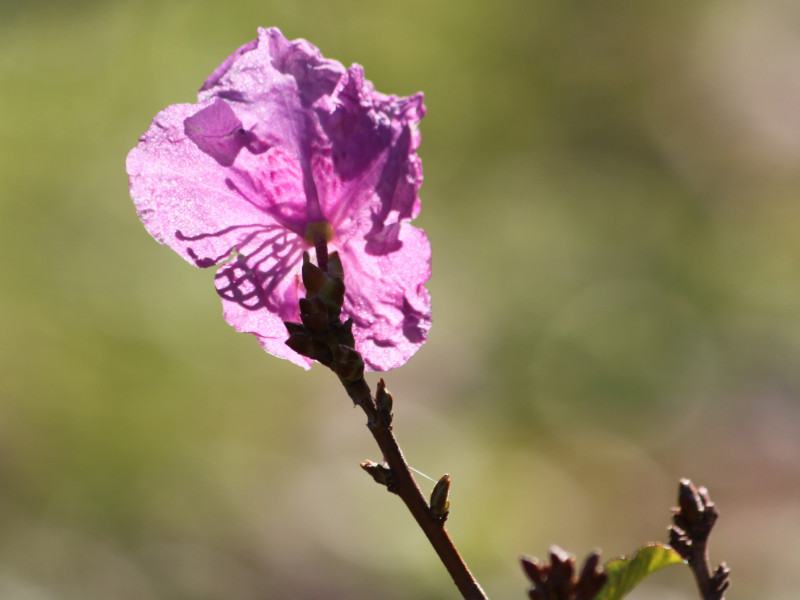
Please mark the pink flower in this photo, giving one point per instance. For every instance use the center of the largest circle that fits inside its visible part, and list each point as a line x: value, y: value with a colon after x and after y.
x: 282, y: 145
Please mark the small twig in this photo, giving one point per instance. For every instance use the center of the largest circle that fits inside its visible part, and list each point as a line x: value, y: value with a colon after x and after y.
x: 693, y: 521
x: 322, y: 336
x: 404, y: 485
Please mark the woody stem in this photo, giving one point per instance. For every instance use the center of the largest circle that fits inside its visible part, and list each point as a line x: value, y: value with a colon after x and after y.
x: 404, y: 485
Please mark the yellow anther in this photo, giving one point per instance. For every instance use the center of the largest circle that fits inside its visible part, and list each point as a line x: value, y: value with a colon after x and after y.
x: 318, y: 230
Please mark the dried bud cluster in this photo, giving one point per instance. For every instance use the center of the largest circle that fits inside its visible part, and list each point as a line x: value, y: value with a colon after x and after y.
x: 557, y: 579
x: 693, y: 519
x: 321, y: 335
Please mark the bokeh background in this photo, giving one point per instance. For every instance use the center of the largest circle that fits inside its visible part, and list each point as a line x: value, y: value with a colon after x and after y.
x: 612, y: 190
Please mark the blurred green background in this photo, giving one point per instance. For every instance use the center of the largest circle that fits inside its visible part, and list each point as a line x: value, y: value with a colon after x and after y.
x: 612, y: 194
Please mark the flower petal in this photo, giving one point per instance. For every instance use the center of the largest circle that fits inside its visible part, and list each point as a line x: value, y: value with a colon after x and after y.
x: 259, y: 293
x: 217, y: 132
x: 184, y: 197
x: 282, y: 138
x: 373, y: 141
x: 386, y: 297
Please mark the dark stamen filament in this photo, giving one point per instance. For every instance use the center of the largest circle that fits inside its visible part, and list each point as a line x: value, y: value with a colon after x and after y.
x: 321, y: 246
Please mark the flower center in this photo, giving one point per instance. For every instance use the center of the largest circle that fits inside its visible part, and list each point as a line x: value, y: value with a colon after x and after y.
x: 318, y: 231
x: 318, y: 234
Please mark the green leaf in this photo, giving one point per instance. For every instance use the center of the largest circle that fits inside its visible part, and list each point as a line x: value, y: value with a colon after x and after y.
x: 626, y: 572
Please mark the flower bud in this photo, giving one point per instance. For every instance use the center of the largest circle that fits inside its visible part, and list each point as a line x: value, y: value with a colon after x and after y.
x: 314, y: 315
x: 348, y: 364
x: 344, y: 333
x: 335, y: 269
x: 332, y: 292
x: 533, y: 569
x: 592, y: 578
x: 689, y: 502
x: 313, y: 277
x: 301, y: 341
x: 440, y: 505
x: 562, y: 567
x: 292, y: 327
x: 383, y: 402
x: 379, y: 472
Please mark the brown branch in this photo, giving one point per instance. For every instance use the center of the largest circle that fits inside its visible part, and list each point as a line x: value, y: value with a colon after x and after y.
x: 403, y: 484
x: 322, y: 336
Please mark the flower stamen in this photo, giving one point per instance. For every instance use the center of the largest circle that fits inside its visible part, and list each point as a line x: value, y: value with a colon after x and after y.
x: 318, y: 234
